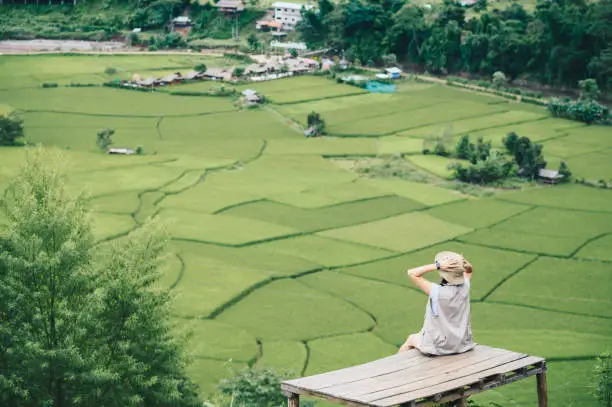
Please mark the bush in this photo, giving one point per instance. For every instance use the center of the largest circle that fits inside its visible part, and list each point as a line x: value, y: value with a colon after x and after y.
x: 49, y: 85
x: 238, y: 72
x: 603, y: 380
x: 11, y: 128
x: 201, y: 67
x: 527, y: 155
x: 139, y: 150
x: 586, y: 111
x: 494, y: 169
x: 256, y: 387
x: 499, y: 79
x: 110, y: 70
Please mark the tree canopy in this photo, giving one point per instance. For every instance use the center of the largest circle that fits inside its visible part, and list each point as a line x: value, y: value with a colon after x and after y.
x: 559, y: 43
x: 81, y: 325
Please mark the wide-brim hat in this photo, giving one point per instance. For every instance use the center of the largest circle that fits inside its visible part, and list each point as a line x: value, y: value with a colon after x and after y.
x: 456, y: 262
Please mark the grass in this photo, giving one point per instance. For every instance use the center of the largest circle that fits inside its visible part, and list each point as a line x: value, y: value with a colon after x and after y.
x: 564, y: 196
x: 292, y: 90
x: 434, y: 164
x: 221, y: 229
x: 328, y: 252
x: 559, y: 222
x: 107, y: 101
x: 216, y: 340
x: 305, y: 313
x: 598, y: 249
x: 325, y: 353
x: 235, y: 186
x: 477, y: 213
x: 308, y: 220
x: 398, y: 310
x: 492, y: 266
x: 525, y: 242
x: 284, y: 355
x: 400, y: 233
x: 576, y: 294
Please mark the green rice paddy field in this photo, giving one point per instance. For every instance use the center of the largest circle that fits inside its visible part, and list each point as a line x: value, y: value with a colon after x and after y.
x: 285, y: 257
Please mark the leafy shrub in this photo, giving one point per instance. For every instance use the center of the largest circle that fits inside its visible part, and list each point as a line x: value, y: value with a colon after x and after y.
x: 586, y: 111
x: 11, y: 128
x: 256, y: 387
x: 139, y: 150
x: 499, y: 79
x: 238, y: 72
x: 201, y: 67
x: 494, y: 169
x: 49, y: 85
x: 110, y: 70
x: 603, y: 380
x: 104, y: 139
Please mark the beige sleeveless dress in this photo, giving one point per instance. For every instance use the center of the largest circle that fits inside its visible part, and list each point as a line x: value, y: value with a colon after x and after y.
x: 447, y: 327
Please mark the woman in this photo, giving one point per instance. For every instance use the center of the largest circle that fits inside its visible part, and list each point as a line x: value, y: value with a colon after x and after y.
x: 447, y: 317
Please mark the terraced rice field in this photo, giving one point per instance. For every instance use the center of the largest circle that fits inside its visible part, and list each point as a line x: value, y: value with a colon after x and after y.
x: 285, y: 257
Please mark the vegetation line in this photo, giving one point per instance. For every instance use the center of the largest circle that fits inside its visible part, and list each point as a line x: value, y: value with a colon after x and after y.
x: 508, y: 277
x: 306, y: 359
x: 580, y: 314
x: 181, y: 271
x: 157, y: 126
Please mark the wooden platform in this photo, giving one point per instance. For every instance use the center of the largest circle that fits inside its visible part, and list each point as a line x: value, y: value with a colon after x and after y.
x: 413, y: 379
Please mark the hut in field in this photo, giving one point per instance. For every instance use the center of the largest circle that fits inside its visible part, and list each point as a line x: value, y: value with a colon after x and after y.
x: 121, y: 151
x: 395, y: 73
x: 550, y: 176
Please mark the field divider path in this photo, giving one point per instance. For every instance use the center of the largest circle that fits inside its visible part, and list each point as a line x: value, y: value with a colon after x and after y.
x: 516, y: 304
x: 508, y: 277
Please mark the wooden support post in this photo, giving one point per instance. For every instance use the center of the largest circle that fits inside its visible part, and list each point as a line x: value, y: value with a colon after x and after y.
x: 462, y: 402
x: 542, y: 392
x: 293, y: 400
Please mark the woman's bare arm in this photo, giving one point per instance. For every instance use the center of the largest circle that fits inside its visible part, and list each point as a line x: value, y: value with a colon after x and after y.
x: 416, y: 274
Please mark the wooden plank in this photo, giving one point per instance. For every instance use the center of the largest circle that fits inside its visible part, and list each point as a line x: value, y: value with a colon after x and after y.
x: 542, y: 391
x: 455, y: 384
x: 349, y: 374
x: 447, y: 368
x: 297, y: 390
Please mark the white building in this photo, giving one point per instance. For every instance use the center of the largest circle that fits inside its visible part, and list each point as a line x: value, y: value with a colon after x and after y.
x: 288, y: 14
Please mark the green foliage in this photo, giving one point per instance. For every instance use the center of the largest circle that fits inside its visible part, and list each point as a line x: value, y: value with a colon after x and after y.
x: 564, y: 171
x: 49, y: 85
x: 293, y: 52
x: 589, y: 91
x: 238, y: 72
x: 603, y: 379
x: 109, y: 70
x: 315, y: 123
x: 253, y: 41
x: 494, y: 169
x: 258, y: 387
x: 79, y: 325
x: 104, y: 138
x: 499, y: 79
x: 11, y: 129
x: 201, y: 67
x: 588, y: 110
x: 527, y: 155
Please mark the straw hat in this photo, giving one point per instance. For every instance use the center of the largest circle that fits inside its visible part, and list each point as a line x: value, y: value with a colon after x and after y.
x: 455, y: 266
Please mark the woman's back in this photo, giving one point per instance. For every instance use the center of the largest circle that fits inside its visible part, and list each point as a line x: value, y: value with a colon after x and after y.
x: 447, y: 327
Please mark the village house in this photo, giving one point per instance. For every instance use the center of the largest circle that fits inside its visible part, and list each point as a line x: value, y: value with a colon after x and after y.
x: 230, y: 6
x: 288, y: 14
x: 393, y: 73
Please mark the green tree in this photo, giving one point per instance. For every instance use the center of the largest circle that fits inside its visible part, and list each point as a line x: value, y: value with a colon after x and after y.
x: 11, y: 129
x: 499, y: 79
x: 256, y: 387
x: 589, y: 91
x: 316, y: 123
x: 201, y: 67
x: 238, y: 72
x: 78, y: 329
x: 253, y: 41
x: 293, y: 52
x: 462, y: 150
x: 564, y: 171
x: 105, y: 138
x: 527, y: 155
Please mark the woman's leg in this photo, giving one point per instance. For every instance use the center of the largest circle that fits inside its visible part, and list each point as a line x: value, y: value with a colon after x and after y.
x: 411, y: 343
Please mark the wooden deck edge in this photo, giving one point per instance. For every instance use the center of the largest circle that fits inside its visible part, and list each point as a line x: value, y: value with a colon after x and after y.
x: 483, y: 385
x: 288, y: 390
